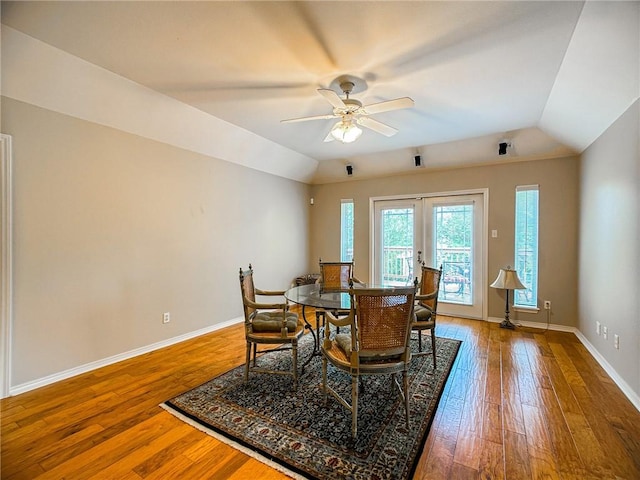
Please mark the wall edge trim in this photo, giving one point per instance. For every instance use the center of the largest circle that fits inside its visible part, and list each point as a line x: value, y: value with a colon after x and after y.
x: 72, y: 372
x: 633, y: 397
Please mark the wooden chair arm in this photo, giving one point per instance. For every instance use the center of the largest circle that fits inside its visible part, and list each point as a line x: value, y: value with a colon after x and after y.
x: 338, y: 321
x: 269, y: 292
x: 266, y: 306
x: 426, y: 307
x: 428, y: 296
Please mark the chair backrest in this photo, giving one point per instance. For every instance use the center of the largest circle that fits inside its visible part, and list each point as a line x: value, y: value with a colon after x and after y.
x: 430, y: 285
x: 335, y: 275
x: 383, y: 319
x: 248, y: 291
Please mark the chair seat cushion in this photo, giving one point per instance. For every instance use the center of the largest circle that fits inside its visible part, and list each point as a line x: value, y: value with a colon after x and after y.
x: 343, y: 353
x: 272, y: 321
x: 343, y: 340
x: 422, y: 314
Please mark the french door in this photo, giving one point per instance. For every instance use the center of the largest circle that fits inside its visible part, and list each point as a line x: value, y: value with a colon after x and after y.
x: 445, y: 231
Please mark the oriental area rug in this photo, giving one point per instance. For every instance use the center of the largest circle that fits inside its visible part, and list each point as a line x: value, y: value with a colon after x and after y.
x: 299, y: 434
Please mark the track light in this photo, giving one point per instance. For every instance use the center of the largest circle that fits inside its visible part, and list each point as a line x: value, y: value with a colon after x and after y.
x: 418, y: 160
x: 349, y: 170
x: 502, y: 148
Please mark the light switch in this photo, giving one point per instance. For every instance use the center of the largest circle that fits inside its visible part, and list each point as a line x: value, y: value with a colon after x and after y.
x: 494, y: 233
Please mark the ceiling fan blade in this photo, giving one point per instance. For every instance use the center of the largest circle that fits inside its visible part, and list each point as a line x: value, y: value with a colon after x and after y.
x: 397, y: 104
x: 314, y: 117
x: 332, y: 97
x: 377, y: 126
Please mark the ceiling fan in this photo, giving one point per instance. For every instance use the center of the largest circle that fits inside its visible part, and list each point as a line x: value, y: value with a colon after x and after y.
x: 352, y: 113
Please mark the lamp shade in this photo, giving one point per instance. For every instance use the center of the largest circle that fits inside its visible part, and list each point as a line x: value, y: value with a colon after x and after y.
x: 346, y: 131
x: 508, y: 279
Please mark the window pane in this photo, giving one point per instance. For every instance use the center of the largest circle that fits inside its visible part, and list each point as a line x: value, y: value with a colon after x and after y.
x: 526, y: 247
x: 346, y: 231
x: 453, y: 245
x: 397, y: 245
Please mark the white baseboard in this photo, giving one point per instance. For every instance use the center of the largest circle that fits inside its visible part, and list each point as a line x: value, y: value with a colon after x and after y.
x: 25, y: 387
x: 618, y: 380
x: 72, y: 372
x: 541, y: 325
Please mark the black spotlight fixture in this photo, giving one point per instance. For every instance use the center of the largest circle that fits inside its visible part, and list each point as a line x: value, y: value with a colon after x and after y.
x: 502, y: 148
x: 418, y: 160
x: 349, y: 170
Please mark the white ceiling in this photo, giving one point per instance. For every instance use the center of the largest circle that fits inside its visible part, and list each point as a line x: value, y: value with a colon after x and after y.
x: 479, y: 72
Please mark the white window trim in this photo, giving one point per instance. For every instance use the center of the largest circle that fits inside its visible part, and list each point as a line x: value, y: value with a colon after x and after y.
x: 526, y: 308
x: 342, y: 202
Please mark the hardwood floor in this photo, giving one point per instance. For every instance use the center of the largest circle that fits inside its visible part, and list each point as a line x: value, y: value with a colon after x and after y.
x: 524, y: 404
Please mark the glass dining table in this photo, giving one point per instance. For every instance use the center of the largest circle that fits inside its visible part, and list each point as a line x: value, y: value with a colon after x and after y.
x: 316, y: 296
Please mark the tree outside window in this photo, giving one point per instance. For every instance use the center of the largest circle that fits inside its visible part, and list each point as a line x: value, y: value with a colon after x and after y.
x: 526, y: 245
x: 346, y: 231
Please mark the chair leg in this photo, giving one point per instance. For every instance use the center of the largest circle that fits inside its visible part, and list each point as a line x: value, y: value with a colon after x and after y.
x: 354, y: 405
x: 405, y: 385
x: 324, y: 379
x: 294, y: 361
x: 255, y: 351
x: 320, y: 327
x: 247, y: 362
x: 433, y: 345
x: 419, y: 340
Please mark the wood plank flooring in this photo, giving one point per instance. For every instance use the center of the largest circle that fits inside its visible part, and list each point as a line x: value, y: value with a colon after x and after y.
x: 524, y: 404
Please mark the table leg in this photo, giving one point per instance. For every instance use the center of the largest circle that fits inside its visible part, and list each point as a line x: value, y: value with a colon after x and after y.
x: 316, y: 338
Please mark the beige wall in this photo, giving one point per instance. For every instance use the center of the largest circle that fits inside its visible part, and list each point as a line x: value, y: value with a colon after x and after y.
x: 609, y: 265
x: 558, y: 180
x: 111, y: 230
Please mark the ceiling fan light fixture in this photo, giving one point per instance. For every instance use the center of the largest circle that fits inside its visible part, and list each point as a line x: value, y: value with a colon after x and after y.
x: 346, y: 131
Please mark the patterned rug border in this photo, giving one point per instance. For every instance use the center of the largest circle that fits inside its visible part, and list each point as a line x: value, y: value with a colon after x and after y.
x: 275, y: 462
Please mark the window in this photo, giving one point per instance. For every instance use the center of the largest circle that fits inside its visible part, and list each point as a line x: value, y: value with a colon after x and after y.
x: 453, y: 228
x: 526, y: 247
x: 346, y: 231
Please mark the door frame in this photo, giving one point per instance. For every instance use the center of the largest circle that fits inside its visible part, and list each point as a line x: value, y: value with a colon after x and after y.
x: 394, y: 203
x: 484, y: 254
x: 6, y: 313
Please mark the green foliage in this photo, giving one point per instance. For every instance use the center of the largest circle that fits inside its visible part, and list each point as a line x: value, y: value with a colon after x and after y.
x: 346, y: 231
x: 397, y: 227
x: 454, y: 226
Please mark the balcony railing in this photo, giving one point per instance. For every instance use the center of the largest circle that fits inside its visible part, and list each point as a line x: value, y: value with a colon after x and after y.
x: 398, y: 268
x: 397, y: 265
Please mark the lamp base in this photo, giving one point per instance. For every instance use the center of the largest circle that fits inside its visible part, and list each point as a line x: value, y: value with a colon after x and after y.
x: 506, y: 323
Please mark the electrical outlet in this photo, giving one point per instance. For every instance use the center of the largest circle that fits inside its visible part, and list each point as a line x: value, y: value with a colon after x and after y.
x: 616, y: 341
x: 598, y: 328
x: 605, y: 332
x: 166, y: 317
x: 547, y: 304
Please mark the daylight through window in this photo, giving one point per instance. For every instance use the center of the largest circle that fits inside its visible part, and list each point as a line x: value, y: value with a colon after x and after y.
x: 526, y: 247
x: 346, y: 231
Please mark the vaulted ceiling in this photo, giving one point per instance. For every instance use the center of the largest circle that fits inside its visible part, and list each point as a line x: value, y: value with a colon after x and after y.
x: 547, y: 77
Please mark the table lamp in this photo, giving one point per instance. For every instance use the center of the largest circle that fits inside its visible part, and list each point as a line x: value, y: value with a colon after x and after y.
x: 507, y: 280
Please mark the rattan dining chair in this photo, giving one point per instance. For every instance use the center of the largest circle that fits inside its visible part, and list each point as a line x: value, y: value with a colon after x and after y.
x: 268, y: 323
x: 377, y: 343
x: 334, y: 276
x: 426, y: 307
